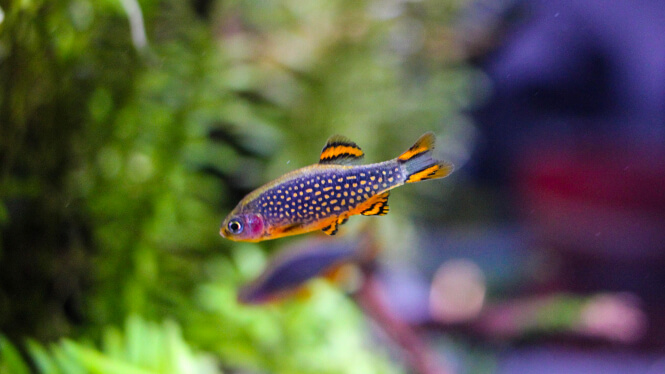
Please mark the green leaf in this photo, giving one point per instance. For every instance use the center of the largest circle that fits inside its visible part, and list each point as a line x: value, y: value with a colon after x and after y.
x: 96, y: 362
x: 66, y: 362
x: 44, y: 362
x: 10, y: 358
x: 112, y: 344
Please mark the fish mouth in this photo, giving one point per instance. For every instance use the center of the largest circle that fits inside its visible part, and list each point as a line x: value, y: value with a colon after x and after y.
x: 223, y: 232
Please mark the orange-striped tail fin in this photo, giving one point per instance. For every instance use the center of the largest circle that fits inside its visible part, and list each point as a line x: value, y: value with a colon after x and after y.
x: 418, y: 163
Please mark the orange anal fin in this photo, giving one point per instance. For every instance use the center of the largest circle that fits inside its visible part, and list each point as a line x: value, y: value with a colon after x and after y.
x: 376, y: 206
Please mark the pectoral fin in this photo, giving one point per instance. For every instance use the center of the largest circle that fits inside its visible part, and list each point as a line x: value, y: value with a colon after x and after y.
x: 289, y: 228
x: 332, y: 228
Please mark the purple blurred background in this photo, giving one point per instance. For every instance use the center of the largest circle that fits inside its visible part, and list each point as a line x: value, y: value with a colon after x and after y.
x: 571, y: 158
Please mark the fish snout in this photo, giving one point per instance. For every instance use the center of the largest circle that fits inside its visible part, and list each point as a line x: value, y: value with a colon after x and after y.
x: 223, y: 232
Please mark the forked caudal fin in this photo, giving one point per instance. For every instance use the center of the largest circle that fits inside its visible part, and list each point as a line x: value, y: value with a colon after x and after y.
x: 418, y: 163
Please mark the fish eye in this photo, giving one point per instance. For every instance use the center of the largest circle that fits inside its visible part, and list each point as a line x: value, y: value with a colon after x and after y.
x: 235, y: 226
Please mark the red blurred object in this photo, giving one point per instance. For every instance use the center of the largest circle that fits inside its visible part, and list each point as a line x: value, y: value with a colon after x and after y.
x: 598, y: 199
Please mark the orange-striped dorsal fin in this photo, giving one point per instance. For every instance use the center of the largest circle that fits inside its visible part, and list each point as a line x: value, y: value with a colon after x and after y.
x: 376, y: 206
x: 340, y: 150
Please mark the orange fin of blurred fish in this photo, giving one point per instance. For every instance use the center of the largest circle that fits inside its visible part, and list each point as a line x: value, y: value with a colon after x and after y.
x: 346, y: 276
x: 340, y: 150
x: 303, y: 293
x: 376, y: 206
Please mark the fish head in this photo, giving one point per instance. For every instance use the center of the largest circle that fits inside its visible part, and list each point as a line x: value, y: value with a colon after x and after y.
x: 243, y: 227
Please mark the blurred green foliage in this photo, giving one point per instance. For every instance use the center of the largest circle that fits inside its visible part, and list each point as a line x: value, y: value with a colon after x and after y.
x: 144, y: 348
x: 118, y: 160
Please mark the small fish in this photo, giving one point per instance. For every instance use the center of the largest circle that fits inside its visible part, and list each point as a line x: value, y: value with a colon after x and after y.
x: 291, y: 269
x: 323, y: 196
x: 288, y: 273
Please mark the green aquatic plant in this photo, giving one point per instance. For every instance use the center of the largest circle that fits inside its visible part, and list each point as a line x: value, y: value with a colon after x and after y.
x: 119, y: 156
x: 141, y: 348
